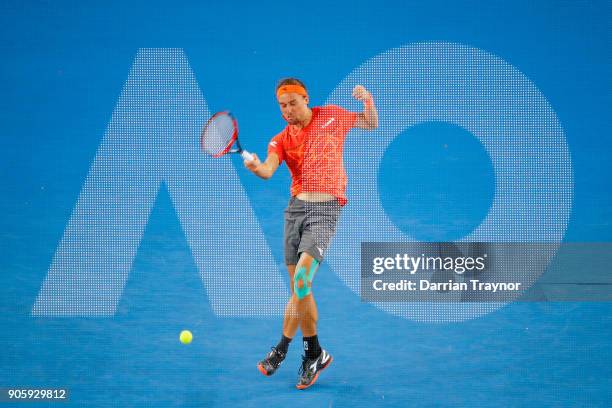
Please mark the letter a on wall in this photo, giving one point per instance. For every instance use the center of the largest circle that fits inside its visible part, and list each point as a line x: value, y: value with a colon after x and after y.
x: 152, y: 142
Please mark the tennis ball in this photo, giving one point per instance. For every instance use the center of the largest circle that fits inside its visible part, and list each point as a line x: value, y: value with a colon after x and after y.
x: 186, y: 337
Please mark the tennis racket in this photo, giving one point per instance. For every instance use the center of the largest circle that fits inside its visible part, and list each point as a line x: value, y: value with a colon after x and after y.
x: 220, y: 136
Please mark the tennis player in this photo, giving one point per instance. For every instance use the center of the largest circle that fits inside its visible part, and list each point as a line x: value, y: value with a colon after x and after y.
x: 311, y: 144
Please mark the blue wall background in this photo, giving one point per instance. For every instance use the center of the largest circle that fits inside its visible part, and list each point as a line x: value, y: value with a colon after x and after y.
x: 63, y: 67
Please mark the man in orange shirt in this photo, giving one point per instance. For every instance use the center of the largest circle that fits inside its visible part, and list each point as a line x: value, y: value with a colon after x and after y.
x: 312, y: 146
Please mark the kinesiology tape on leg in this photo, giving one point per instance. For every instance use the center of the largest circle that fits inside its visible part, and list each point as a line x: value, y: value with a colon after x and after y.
x: 302, y: 279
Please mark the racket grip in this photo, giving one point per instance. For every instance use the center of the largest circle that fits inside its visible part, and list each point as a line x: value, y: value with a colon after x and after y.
x: 246, y: 155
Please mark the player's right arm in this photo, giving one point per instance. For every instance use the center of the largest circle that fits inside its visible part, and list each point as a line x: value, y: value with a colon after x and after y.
x: 266, y: 169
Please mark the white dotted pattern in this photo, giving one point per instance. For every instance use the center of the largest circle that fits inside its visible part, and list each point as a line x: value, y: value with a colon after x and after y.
x: 153, y: 140
x: 503, y: 109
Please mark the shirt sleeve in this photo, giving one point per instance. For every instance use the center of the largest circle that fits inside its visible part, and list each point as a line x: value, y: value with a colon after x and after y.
x: 276, y: 146
x: 347, y: 118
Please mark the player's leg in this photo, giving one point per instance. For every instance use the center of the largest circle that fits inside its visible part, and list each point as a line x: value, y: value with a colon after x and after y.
x: 315, y: 359
x: 319, y: 227
x: 291, y: 320
x: 294, y: 215
x: 296, y: 310
x: 303, y: 297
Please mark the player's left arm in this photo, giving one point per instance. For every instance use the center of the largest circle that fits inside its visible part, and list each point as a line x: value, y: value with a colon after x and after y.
x: 368, y: 119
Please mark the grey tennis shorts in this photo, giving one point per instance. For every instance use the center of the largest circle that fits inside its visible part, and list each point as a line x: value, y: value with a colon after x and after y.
x: 309, y: 227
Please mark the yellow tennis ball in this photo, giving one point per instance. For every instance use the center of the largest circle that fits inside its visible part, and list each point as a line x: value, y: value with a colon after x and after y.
x: 186, y: 337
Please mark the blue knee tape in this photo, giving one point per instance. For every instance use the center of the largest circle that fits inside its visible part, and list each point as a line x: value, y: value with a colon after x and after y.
x: 306, y: 277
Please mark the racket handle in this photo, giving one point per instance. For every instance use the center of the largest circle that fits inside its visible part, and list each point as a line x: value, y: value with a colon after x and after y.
x: 246, y: 155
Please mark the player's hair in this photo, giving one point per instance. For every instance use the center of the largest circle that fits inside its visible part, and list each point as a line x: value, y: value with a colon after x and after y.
x: 290, y: 81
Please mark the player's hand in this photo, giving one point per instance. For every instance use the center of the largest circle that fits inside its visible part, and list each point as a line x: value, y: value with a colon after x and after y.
x: 253, y: 164
x: 361, y: 94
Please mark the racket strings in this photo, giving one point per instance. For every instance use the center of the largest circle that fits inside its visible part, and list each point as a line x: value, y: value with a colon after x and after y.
x: 218, y: 134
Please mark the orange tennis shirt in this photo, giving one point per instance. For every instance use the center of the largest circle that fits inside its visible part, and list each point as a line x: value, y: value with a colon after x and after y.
x: 314, y: 153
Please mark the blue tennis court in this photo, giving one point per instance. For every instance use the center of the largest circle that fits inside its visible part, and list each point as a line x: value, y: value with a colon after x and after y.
x: 117, y: 233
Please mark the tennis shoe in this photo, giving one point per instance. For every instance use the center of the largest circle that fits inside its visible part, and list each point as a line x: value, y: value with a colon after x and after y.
x: 311, y: 368
x: 271, y: 362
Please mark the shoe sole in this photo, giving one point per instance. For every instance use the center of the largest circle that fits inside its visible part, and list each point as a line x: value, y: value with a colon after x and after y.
x: 316, y: 377
x: 262, y: 370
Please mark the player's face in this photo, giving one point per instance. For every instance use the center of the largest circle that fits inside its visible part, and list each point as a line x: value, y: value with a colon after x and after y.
x: 294, y: 107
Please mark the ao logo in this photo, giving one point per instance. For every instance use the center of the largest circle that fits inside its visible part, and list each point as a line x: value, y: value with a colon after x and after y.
x: 151, y: 141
